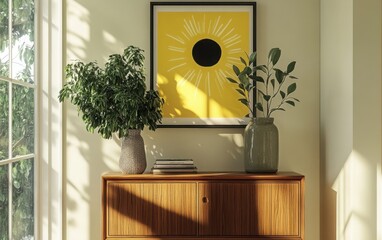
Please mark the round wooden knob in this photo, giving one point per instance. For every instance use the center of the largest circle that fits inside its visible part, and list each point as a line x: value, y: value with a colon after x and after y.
x: 205, y: 200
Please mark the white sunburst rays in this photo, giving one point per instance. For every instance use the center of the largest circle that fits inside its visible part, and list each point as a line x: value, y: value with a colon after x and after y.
x: 220, y: 30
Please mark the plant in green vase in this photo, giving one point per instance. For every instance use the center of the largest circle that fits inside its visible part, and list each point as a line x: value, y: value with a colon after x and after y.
x: 273, y: 89
x: 268, y: 86
x: 115, y: 99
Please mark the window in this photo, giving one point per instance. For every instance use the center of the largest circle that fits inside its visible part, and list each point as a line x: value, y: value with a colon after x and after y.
x: 17, y: 119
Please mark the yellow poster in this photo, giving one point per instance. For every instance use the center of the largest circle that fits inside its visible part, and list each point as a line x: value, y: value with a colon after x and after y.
x: 195, y: 53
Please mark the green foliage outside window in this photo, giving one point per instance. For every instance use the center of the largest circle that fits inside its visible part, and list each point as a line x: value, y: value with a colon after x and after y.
x: 22, y: 172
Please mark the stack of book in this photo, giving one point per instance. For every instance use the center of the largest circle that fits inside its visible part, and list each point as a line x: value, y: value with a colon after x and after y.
x: 163, y: 166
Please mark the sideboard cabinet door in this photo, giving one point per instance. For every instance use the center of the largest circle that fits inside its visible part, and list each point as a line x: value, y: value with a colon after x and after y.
x: 150, y: 209
x: 258, y: 208
x: 203, y: 206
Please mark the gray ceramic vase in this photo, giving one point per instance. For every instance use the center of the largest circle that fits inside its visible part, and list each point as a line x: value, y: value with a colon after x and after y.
x: 261, y: 146
x: 133, y: 156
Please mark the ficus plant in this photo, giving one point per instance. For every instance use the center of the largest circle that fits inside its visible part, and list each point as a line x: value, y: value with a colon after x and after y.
x: 113, y: 99
x: 273, y: 86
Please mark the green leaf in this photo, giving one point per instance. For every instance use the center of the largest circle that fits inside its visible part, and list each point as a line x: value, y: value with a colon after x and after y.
x: 282, y: 94
x: 16, y: 184
x: 241, y: 92
x: 262, y: 68
x: 247, y: 70
x: 291, y: 66
x: 259, y: 79
x: 252, y: 58
x: 259, y: 106
x: 236, y: 70
x: 273, y: 82
x: 14, y: 171
x: 267, y: 97
x: 231, y: 80
x: 243, y: 101
x: 291, y: 88
x: 274, y: 55
x: 290, y: 102
x: 277, y: 109
x: 279, y: 75
x: 243, y: 61
x: 243, y: 79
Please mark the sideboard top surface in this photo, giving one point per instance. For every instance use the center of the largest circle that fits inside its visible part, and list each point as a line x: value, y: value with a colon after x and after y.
x: 204, y: 176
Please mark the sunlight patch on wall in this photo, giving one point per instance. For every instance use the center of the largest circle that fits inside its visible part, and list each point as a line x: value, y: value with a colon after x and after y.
x: 111, y: 152
x: 109, y: 38
x: 154, y: 150
x: 187, y: 100
x: 237, y: 139
x: 355, y: 198
x: 78, y: 203
x: 197, y: 107
x: 78, y: 34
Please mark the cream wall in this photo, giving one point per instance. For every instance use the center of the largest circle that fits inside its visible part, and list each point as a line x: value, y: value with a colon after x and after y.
x: 351, y: 119
x: 336, y: 103
x: 95, y: 29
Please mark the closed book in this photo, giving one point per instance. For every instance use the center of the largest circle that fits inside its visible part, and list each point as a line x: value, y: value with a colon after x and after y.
x: 173, y: 170
x: 175, y: 161
x: 185, y: 166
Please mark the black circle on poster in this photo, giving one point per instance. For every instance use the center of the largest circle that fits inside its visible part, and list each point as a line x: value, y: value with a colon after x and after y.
x: 206, y: 52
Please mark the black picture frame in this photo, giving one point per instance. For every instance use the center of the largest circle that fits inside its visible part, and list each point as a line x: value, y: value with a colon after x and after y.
x: 181, y: 9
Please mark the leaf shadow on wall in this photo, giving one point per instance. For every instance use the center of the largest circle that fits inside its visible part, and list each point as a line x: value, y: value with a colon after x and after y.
x: 82, y: 180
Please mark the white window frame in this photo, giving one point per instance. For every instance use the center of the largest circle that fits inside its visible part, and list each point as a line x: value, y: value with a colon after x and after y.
x: 11, y: 159
x: 49, y: 212
x: 48, y: 164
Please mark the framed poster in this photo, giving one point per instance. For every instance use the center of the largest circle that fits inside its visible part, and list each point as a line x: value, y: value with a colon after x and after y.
x: 193, y: 48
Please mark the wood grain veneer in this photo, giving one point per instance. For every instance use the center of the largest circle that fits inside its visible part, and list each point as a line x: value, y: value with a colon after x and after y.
x: 144, y: 209
x: 260, y: 208
x: 203, y: 206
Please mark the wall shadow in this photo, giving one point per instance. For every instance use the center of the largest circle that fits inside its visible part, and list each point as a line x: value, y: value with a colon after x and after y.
x: 328, y: 198
x: 82, y: 177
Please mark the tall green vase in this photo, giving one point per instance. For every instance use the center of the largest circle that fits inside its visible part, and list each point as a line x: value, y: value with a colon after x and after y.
x: 261, y: 146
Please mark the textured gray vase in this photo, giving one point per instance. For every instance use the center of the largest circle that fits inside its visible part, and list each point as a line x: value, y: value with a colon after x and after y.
x: 133, y: 156
x: 261, y: 146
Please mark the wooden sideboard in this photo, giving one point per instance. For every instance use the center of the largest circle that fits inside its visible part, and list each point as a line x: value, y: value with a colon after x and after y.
x: 203, y: 206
